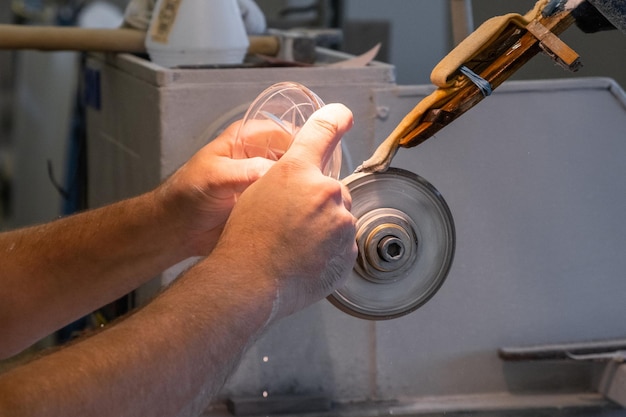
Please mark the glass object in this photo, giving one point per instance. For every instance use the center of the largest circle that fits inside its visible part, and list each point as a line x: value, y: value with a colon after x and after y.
x: 280, y: 112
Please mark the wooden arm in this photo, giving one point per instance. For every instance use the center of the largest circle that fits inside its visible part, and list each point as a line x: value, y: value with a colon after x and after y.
x: 496, y: 60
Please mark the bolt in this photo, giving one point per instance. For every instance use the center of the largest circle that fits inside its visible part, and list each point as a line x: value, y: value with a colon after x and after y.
x: 390, y: 248
x: 382, y: 112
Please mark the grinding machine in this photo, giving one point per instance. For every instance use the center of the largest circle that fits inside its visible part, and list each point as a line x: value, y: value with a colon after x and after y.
x: 490, y: 270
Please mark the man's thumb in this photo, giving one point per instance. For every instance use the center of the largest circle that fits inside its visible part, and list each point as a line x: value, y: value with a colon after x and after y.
x: 321, y: 133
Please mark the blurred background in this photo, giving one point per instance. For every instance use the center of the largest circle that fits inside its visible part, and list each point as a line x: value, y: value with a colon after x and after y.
x: 41, y: 122
x: 38, y: 89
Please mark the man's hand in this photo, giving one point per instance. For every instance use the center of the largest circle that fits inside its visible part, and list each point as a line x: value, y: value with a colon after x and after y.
x: 201, y: 194
x: 294, y: 223
x: 288, y: 242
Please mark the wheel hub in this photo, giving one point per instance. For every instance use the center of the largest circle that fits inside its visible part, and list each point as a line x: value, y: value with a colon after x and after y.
x: 387, y: 245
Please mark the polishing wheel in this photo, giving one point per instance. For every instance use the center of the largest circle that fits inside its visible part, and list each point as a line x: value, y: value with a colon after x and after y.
x: 406, y: 241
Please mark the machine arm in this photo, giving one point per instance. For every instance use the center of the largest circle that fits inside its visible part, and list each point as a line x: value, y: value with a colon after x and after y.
x: 478, y: 65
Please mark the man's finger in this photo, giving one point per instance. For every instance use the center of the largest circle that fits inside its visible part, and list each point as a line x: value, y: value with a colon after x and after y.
x: 262, y: 138
x: 247, y: 171
x: 319, y: 136
x: 346, y: 197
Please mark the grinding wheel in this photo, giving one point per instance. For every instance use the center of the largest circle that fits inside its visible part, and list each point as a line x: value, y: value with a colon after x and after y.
x: 406, y: 240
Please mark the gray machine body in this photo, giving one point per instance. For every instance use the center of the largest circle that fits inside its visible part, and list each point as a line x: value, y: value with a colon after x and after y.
x: 535, y: 178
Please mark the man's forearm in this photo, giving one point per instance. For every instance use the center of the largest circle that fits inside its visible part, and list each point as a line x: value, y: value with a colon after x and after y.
x: 167, y: 359
x: 57, y: 272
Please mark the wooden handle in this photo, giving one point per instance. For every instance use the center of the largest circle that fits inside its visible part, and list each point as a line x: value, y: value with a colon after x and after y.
x: 264, y: 45
x: 522, y: 48
x: 59, y: 38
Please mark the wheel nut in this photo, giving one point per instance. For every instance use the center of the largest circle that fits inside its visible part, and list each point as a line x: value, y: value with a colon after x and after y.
x: 390, y: 248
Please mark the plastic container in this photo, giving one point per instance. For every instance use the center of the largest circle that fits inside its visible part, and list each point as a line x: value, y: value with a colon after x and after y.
x: 196, y: 33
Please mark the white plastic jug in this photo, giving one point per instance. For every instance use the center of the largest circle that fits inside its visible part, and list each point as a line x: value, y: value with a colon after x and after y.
x: 196, y: 32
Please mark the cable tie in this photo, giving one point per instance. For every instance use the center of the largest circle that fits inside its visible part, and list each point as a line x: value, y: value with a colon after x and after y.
x: 483, y: 85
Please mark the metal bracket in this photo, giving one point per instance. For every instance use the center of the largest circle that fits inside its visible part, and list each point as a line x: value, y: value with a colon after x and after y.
x: 612, y: 383
x: 554, y: 47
